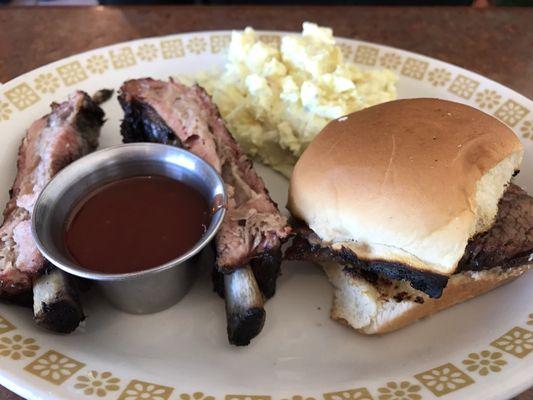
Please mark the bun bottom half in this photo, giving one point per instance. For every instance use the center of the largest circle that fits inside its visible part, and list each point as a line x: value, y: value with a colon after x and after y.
x: 375, y: 308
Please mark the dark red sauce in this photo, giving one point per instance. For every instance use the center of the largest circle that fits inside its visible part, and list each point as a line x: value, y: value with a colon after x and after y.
x: 135, y: 224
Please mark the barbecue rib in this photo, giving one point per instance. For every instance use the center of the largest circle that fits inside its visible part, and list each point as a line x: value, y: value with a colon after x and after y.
x: 253, y: 229
x: 508, y: 243
x: 70, y: 131
x: 168, y: 112
x: 57, y: 304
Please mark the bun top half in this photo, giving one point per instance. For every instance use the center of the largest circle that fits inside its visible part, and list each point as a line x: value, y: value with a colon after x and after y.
x: 408, y: 181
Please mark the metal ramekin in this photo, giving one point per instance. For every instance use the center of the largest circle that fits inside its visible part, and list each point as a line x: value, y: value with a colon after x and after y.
x: 140, y: 292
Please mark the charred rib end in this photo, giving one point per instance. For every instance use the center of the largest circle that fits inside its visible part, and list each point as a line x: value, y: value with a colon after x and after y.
x: 242, y: 328
x: 63, y: 316
x: 244, y: 306
x: 102, y: 96
x: 57, y: 306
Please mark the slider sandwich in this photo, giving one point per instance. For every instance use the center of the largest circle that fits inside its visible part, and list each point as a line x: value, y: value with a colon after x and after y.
x: 410, y: 208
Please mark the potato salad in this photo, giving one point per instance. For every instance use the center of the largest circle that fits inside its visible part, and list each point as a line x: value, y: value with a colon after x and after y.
x: 275, y: 100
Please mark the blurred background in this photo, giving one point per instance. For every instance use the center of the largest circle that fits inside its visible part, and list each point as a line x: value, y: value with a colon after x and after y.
x: 474, y: 3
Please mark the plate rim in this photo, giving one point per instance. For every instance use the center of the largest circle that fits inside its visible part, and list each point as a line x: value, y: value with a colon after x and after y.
x: 258, y: 32
x: 527, y: 381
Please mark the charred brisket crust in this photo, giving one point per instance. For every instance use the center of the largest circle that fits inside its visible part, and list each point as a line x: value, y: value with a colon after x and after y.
x: 477, y: 265
x: 428, y: 282
x: 142, y: 123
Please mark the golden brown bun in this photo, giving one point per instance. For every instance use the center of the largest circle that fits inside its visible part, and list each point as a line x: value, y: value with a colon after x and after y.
x: 364, y: 306
x: 406, y: 181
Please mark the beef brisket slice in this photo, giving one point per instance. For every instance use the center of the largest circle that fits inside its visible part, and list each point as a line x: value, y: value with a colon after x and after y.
x: 70, y: 131
x: 508, y: 243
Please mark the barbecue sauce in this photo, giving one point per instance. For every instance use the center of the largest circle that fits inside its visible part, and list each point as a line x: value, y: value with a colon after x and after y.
x: 135, y: 224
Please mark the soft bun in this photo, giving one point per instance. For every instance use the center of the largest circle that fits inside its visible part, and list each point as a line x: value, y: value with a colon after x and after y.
x: 370, y: 308
x: 406, y: 181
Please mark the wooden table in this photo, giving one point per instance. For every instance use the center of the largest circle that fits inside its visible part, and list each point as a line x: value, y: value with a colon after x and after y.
x: 493, y: 42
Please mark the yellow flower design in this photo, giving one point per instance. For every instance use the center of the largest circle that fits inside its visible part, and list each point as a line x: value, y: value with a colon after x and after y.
x: 439, y: 76
x: 366, y: 55
x: 5, y: 114
x: 22, y: 96
x: 414, y: 68
x: 527, y: 133
x: 463, y: 87
x: 511, y: 112
x: 122, y: 58
x: 18, y: 347
x: 47, y: 83
x: 172, y: 48
x: 444, y: 379
x: 485, y: 362
x: 54, y: 367
x: 147, y: 52
x: 399, y: 391
x: 139, y: 390
x: 352, y: 394
x: 195, y: 396
x: 219, y: 43
x: 346, y: 50
x: 488, y: 99
x: 5, y: 325
x: 72, y: 73
x: 518, y: 342
x: 299, y: 397
x: 97, y: 64
x: 196, y: 45
x: 98, y: 384
x: 390, y: 60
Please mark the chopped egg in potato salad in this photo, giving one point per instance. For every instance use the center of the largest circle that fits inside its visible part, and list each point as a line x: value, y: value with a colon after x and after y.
x: 276, y: 100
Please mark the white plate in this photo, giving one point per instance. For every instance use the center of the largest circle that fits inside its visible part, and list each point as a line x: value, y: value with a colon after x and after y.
x: 182, y: 353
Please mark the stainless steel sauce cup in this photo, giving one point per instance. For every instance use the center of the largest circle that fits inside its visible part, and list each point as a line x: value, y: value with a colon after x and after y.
x: 145, y: 291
